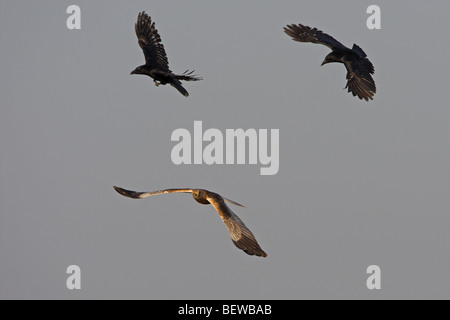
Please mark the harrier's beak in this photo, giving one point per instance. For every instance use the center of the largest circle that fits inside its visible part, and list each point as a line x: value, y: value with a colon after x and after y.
x: 323, y: 62
x: 132, y: 72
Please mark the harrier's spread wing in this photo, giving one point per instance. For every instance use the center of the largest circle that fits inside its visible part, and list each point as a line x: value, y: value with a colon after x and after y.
x: 303, y: 33
x: 141, y: 195
x: 150, y: 42
x: 241, y: 236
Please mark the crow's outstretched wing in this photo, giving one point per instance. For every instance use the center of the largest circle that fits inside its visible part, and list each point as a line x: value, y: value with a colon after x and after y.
x: 150, y: 42
x: 359, y: 80
x: 303, y: 33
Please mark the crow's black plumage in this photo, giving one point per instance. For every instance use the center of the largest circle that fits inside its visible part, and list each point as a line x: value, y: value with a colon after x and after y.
x: 156, y: 63
x: 359, y: 69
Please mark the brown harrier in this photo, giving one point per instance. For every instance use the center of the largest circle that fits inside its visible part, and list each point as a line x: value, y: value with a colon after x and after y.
x: 359, y: 68
x: 156, y: 63
x: 241, y: 236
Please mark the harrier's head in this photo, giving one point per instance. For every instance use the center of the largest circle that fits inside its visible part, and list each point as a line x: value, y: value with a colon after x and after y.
x: 200, y: 196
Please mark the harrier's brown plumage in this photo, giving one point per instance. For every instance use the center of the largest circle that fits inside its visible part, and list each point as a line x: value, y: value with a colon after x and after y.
x: 359, y: 69
x: 241, y: 236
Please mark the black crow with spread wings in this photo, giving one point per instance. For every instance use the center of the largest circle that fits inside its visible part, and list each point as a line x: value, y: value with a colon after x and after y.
x: 156, y: 63
x: 359, y: 69
x: 241, y: 236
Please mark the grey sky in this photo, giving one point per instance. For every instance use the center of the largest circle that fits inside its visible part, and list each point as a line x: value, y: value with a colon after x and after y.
x: 358, y: 183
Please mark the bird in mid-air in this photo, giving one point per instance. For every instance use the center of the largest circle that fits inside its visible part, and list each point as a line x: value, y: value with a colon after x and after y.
x: 156, y: 63
x: 359, y: 69
x: 241, y: 236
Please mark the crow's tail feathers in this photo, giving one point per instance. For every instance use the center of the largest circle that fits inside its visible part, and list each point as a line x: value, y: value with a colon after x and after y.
x: 177, y: 85
x: 188, y: 76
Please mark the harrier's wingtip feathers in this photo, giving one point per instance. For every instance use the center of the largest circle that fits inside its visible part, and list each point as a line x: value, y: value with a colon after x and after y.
x: 118, y: 189
x: 124, y: 192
